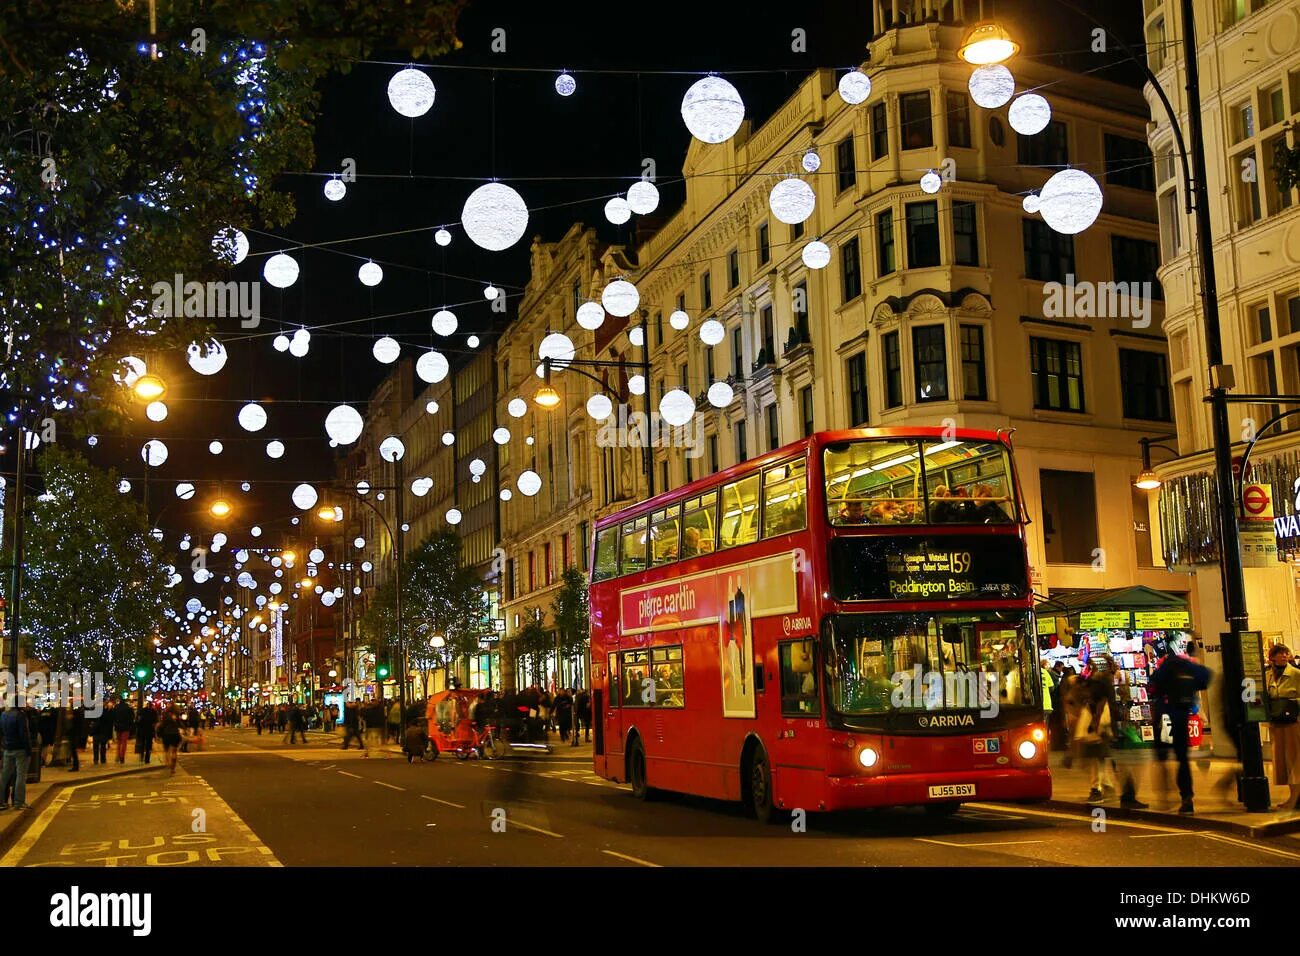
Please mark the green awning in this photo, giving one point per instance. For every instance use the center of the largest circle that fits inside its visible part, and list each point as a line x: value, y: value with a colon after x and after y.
x: 1136, y: 598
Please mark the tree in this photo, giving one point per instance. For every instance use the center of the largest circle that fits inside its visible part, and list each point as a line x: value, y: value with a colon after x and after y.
x: 118, y: 167
x: 572, y: 613
x: 531, y: 645
x: 95, y: 581
x: 1286, y: 163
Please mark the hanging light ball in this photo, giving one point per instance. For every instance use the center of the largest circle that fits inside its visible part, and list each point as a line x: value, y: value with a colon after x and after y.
x: 281, y: 270
x: 477, y: 467
x: 1029, y: 114
x: 529, y: 483
x: 206, y: 359
x: 328, y: 598
x: 444, y: 322
x: 643, y: 197
x: 185, y: 490
x: 620, y: 298
x: 506, y: 494
x: 991, y: 86
x: 392, y: 449
x: 431, y: 407
x: 411, y: 92
x: 421, y: 487
x: 811, y: 162
x: 129, y: 375
x: 335, y: 189
x: 255, y: 531
x: 713, y: 110
x: 343, y: 424
x: 590, y: 316
x: 154, y: 453
x: 792, y: 201
x: 1030, y: 203
x: 517, y: 408
x: 855, y: 87
x: 280, y: 343
x: 442, y: 237
x: 252, y: 417
x: 370, y: 274
x: 636, y: 335
x: 299, y: 345
x: 449, y: 438
x: 490, y: 292
x: 618, y: 211
x: 676, y: 407
x: 636, y: 384
x: 721, y: 394
x: 432, y: 366
x: 501, y: 436
x: 557, y: 347
x: 230, y: 245
x: 386, y: 349
x: 304, y: 496
x: 472, y: 341
x: 124, y: 487
x: 453, y: 516
x: 565, y: 84
x: 156, y: 411
x: 275, y: 449
x: 599, y: 407
x: 712, y: 332
x: 494, y: 217
x: 215, y: 447
x: 1070, y: 201
x: 930, y: 182
x: 816, y: 254
x: 679, y: 320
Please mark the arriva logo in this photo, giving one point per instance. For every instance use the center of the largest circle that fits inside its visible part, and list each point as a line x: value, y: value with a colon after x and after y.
x: 946, y: 720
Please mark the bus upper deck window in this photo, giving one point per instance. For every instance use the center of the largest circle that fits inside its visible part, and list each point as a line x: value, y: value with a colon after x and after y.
x: 739, y: 522
x: 784, y: 494
x: 633, y: 544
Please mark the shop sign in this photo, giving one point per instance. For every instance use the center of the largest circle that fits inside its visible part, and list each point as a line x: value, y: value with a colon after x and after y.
x: 1096, y: 620
x: 1161, y: 620
x: 1046, y: 624
x: 1257, y: 502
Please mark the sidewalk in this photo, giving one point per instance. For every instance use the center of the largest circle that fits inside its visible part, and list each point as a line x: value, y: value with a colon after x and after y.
x: 1213, y: 786
x: 13, y: 823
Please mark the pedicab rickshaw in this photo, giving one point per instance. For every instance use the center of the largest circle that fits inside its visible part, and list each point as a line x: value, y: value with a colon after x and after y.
x: 451, y: 724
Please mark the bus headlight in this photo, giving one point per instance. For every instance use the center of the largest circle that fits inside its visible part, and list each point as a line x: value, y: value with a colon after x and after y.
x: 868, y: 757
x: 1028, y: 750
x: 1039, y: 735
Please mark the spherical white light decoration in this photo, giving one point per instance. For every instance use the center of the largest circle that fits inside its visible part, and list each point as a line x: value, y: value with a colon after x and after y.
x: 643, y: 197
x: 421, y: 487
x: 477, y: 466
x: 620, y: 298
x: 529, y: 483
x: 811, y: 162
x: 185, y: 490
x: 636, y: 335
x: 490, y: 292
x: 442, y: 237
x: 386, y: 349
x: 1029, y: 114
x: 133, y: 370
x: 1030, y: 203
x: 298, y: 346
x: 432, y: 366
x: 816, y: 254
x: 529, y: 440
x: 255, y: 531
x: 992, y: 85
x: 590, y: 316
x: 275, y: 449
x: 453, y: 516
x: 855, y: 87
x: 207, y: 359
x: 391, y: 448
x: 230, y: 245
x: 792, y: 201
x: 245, y: 486
x: 335, y: 189
x: 358, y: 543
x: 215, y: 447
x: 123, y: 487
x: 721, y: 394
x: 557, y: 347
x: 444, y: 322
x: 506, y: 494
x: 501, y: 436
x: 712, y: 332
x: 370, y: 274
x: 367, y: 567
x: 194, y: 605
x: 495, y: 217
x: 304, y: 496
x: 281, y: 270
x: 599, y: 407
x: 411, y: 92
x: 930, y: 182
x: 1070, y: 201
x: 676, y: 407
x: 618, y: 211
x: 343, y: 424
x: 472, y: 341
x: 241, y: 555
x: 245, y: 580
x: 316, y: 556
x: 275, y: 587
x: 431, y: 407
x: 363, y: 487
x: 156, y: 411
x: 565, y: 84
x: 712, y: 110
x: 449, y: 438
x: 219, y: 539
x: 328, y: 599
x: 679, y: 320
x: 636, y: 384
x: 154, y: 453
x: 252, y: 417
x: 517, y: 408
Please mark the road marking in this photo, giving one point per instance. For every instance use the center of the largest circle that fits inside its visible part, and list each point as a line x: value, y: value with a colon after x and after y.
x: 458, y: 806
x: 352, y: 775
x: 1152, y: 836
x: 1075, y: 818
x: 388, y: 785
x: 1237, y: 841
x: 529, y: 826
x: 964, y: 845
x: 624, y: 856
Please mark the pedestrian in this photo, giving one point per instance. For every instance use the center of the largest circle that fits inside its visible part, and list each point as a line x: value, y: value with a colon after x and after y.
x: 192, y: 719
x: 1049, y: 690
x: 582, y: 707
x: 144, y: 730
x: 1284, y: 722
x: 1173, y: 688
x: 123, y: 724
x: 564, y: 714
x: 169, y: 732
x: 1093, y: 733
x: 394, y: 722
x: 50, y: 735
x: 1072, y: 695
x: 257, y: 719
x: 101, y: 735
x: 417, y: 739
x: 74, y: 728
x: 16, y: 734
x: 296, y: 723
x: 352, y: 724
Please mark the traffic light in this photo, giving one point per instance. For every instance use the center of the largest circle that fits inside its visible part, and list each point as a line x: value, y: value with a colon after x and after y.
x: 382, y: 672
x: 142, y: 672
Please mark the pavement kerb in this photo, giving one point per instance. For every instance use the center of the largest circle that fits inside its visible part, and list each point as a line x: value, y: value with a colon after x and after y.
x: 1266, y: 828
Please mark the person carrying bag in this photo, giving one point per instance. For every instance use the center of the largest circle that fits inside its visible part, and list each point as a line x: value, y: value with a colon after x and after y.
x: 1283, y: 685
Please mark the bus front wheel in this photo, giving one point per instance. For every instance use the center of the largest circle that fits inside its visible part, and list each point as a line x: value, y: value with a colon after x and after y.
x: 636, y: 770
x: 760, y: 787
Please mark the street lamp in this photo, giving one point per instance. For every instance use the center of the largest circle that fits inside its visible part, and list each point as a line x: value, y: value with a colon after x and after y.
x: 547, y: 397
x: 1148, y: 480
x: 149, y: 388
x: 220, y: 508
x: 987, y: 43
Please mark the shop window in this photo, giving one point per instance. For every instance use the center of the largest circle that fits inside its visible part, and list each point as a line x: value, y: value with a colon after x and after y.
x: 799, y: 697
x: 740, y: 509
x: 785, y: 493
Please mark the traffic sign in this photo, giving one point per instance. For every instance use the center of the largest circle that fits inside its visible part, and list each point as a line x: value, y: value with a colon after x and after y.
x: 1257, y: 502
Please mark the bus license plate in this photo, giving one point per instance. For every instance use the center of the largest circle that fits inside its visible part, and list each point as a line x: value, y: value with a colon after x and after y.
x: 952, y: 790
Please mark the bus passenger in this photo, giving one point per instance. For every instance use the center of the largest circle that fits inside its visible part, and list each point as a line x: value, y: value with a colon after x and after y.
x: 691, y: 543
x: 851, y: 512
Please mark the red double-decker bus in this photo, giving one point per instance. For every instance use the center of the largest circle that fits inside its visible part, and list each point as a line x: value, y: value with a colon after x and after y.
x: 844, y: 622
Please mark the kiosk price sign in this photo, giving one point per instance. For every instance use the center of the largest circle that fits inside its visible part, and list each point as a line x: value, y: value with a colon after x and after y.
x: 1161, y: 620
x: 1098, y: 620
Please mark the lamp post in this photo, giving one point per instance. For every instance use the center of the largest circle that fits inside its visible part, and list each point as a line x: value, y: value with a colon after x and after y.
x: 16, y: 572
x: 1253, y: 789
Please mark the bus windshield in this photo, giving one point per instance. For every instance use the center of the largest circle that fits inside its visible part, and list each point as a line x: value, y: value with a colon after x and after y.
x: 918, y: 481
x: 884, y: 663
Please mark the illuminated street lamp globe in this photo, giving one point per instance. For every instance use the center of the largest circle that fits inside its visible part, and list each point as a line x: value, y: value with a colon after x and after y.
x: 987, y: 42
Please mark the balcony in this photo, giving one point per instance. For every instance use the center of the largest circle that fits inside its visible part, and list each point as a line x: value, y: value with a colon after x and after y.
x: 798, y: 344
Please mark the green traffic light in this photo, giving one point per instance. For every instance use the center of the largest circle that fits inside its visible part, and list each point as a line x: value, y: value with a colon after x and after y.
x: 382, y: 670
x: 141, y: 673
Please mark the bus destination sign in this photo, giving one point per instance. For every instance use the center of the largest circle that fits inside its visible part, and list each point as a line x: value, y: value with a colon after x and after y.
x: 957, y: 567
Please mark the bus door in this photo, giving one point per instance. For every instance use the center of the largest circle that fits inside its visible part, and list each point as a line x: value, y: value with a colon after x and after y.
x: 611, y: 713
x: 799, y: 701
